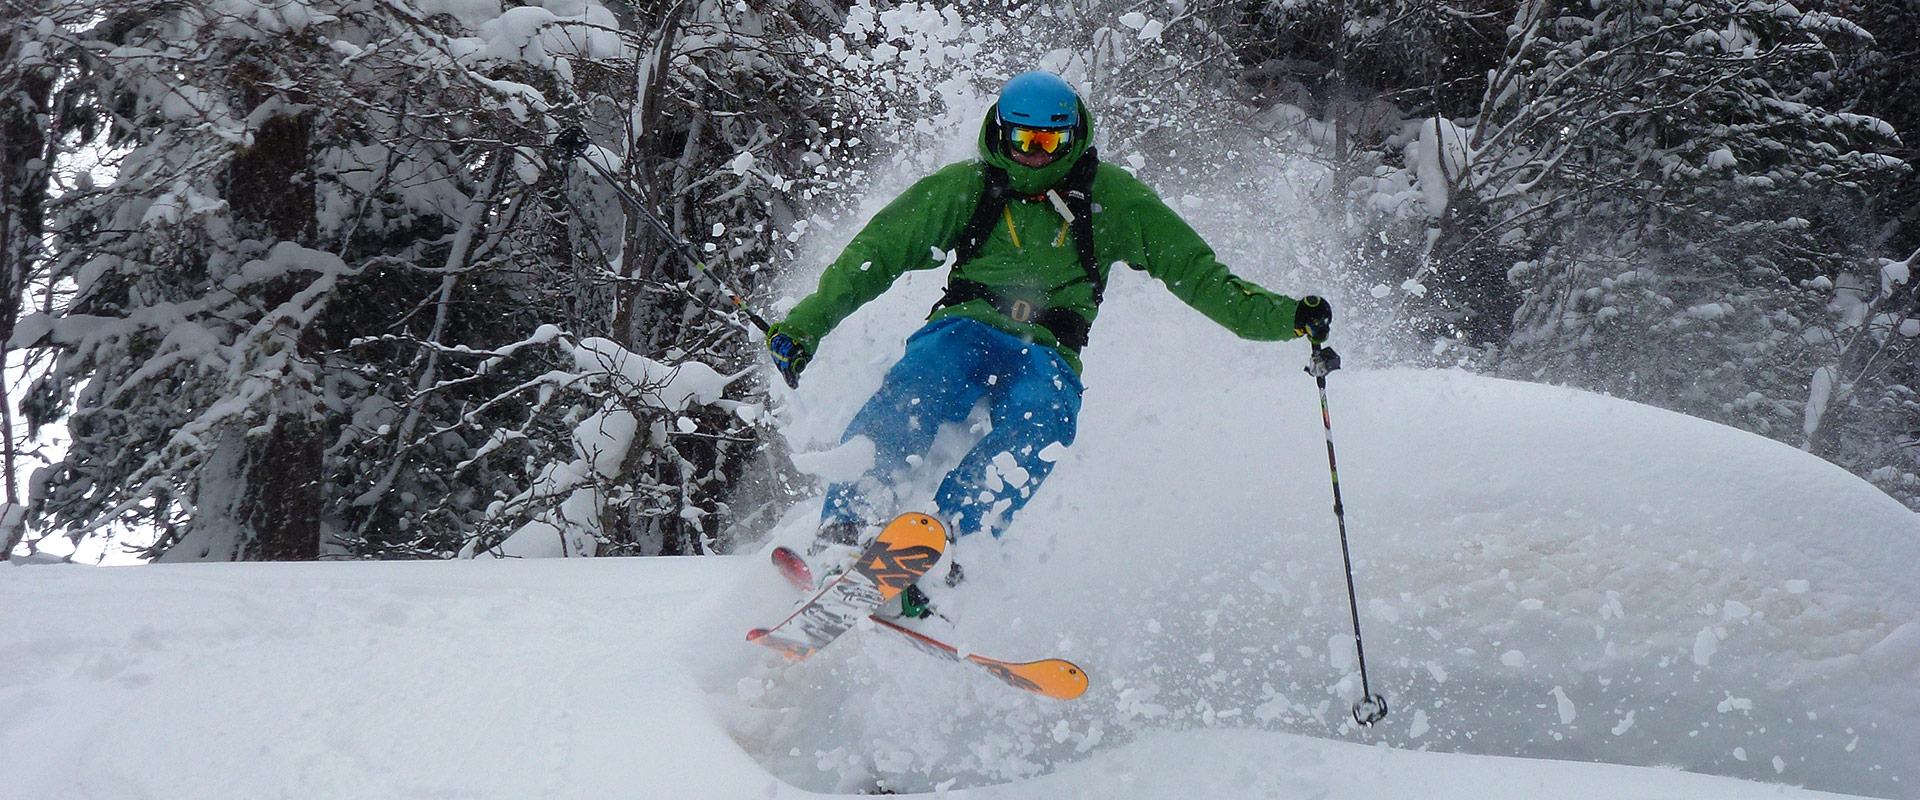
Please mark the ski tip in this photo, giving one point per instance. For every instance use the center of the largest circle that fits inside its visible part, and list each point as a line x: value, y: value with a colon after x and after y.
x: 794, y: 568
x: 1057, y: 678
x: 1060, y: 679
x: 912, y: 530
x: 794, y: 651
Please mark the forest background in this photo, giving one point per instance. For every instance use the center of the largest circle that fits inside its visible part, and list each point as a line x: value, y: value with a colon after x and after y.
x: 299, y: 279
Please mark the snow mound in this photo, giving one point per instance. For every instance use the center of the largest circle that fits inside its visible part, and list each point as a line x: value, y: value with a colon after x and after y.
x: 1542, y: 572
x: 510, y: 679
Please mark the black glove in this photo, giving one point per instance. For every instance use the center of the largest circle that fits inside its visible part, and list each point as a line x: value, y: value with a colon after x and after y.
x: 789, y: 355
x: 1313, y: 318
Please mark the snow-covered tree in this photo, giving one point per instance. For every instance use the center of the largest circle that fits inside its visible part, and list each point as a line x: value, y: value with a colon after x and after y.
x: 704, y: 154
x: 26, y: 94
x: 308, y: 204
x: 1647, y: 197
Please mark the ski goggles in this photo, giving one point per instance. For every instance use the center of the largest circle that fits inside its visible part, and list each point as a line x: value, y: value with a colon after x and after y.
x: 1045, y: 140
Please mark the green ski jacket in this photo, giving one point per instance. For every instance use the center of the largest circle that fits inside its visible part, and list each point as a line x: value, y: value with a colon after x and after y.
x: 1033, y: 252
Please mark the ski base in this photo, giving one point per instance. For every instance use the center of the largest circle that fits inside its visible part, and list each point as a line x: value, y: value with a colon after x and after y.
x: 1050, y: 677
x: 905, y: 549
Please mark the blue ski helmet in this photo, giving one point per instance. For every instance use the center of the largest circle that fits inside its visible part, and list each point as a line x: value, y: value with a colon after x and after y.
x: 1039, y: 99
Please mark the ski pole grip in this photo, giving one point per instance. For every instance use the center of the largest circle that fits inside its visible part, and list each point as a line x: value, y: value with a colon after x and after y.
x: 1324, y: 361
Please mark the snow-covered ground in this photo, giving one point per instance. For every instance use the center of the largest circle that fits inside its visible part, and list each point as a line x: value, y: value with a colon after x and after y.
x: 1544, y: 573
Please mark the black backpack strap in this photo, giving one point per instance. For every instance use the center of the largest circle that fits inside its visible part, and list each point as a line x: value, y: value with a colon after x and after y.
x: 986, y: 215
x: 1079, y: 196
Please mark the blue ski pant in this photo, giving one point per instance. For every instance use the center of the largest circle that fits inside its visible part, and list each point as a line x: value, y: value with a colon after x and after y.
x: 950, y: 365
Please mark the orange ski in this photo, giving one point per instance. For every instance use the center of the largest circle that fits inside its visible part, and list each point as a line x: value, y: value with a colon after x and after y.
x: 903, y: 551
x: 1053, y: 677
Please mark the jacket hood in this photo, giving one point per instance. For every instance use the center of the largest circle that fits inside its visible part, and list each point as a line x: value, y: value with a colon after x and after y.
x: 1028, y: 180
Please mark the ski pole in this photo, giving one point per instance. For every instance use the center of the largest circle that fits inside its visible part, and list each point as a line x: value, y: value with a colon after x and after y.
x: 1374, y: 707
x: 572, y: 144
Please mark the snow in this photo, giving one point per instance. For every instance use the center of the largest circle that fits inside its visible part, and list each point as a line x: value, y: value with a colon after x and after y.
x: 844, y: 463
x: 1819, y: 393
x: 1893, y: 274
x: 1439, y: 154
x: 1703, y: 599
x: 486, y: 679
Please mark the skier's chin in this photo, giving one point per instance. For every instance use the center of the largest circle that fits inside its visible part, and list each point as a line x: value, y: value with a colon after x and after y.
x: 1032, y: 160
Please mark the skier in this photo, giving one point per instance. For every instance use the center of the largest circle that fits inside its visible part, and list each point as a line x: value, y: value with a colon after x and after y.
x: 1032, y: 227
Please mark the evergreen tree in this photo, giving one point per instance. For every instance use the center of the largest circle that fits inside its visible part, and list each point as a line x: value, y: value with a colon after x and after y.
x: 26, y: 93
x: 309, y: 206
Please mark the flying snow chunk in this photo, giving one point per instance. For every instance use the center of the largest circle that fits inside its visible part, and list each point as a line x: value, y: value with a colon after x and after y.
x: 1564, y: 705
x: 1340, y: 652
x: 1420, y: 726
x: 1134, y: 20
x: 1710, y: 311
x: 1514, y: 658
x: 741, y: 163
x: 844, y: 463
x: 1704, y: 646
x: 1626, y: 724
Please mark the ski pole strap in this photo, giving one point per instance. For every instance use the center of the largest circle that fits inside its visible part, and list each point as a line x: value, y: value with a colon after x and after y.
x: 1324, y: 361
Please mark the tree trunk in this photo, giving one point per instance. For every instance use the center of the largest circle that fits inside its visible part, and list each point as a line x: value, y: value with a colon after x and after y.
x: 283, y: 508
x: 1468, y: 289
x: 257, y: 499
x: 649, y: 144
x: 23, y: 193
x: 275, y: 507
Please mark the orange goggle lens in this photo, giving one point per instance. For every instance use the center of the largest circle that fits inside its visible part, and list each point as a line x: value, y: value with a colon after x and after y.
x: 1028, y: 140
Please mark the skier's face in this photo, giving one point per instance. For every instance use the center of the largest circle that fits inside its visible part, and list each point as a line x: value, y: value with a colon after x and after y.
x: 1033, y: 160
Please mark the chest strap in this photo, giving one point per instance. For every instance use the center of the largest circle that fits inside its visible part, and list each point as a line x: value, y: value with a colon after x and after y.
x: 1068, y: 327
